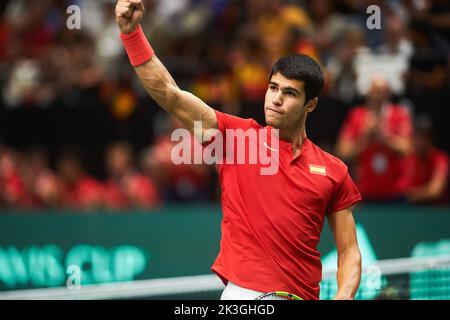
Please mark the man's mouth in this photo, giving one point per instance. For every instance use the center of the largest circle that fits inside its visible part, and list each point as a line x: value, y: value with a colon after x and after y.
x: 273, y: 110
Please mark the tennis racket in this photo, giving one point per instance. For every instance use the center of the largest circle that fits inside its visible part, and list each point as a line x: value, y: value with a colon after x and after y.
x: 278, y: 295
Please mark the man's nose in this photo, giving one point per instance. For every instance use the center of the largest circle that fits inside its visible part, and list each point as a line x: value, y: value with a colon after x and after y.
x: 278, y: 99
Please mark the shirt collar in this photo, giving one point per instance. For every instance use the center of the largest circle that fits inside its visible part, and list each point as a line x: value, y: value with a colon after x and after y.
x: 287, y: 145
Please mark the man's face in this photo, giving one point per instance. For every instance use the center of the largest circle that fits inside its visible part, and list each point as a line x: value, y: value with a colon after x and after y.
x: 285, y: 102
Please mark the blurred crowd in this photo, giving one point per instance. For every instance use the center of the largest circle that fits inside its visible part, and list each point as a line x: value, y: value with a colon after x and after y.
x: 29, y: 180
x: 381, y: 109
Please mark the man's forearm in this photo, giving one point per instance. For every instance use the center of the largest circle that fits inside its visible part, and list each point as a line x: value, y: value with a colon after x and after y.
x: 154, y: 76
x: 349, y: 274
x: 160, y: 85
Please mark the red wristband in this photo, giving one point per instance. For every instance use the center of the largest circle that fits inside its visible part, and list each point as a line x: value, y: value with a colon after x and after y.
x: 137, y: 47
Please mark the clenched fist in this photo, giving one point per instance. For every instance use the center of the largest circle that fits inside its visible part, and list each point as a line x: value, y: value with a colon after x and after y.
x: 129, y: 14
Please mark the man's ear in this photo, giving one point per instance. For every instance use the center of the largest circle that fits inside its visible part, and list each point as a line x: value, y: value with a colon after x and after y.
x: 312, y: 104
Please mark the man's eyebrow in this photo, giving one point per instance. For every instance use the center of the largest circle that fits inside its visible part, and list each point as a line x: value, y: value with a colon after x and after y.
x: 286, y: 88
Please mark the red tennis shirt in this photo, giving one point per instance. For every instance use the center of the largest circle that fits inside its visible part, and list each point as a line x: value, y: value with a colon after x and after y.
x: 272, y: 223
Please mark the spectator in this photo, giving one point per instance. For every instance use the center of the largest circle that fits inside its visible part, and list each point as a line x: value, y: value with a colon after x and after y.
x: 376, y: 137
x: 394, y: 54
x: 391, y: 59
x: 179, y: 183
x: 430, y: 176
x: 78, y: 189
x: 436, y: 12
x: 42, y: 183
x: 340, y: 68
x: 249, y: 71
x: 13, y: 191
x: 126, y: 187
x: 220, y: 50
x: 427, y: 78
x: 329, y: 26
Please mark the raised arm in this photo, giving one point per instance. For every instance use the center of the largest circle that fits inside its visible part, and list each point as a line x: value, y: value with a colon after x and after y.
x: 154, y: 76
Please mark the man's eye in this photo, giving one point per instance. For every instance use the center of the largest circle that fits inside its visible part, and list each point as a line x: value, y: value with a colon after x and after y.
x: 273, y: 88
x: 290, y: 93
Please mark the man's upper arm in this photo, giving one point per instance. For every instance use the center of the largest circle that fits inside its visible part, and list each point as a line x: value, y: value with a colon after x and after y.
x: 339, y: 213
x: 183, y: 105
x: 342, y: 226
x: 346, y: 193
x: 190, y: 108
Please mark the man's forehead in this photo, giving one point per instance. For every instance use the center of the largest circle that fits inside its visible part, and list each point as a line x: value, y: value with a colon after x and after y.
x: 282, y: 81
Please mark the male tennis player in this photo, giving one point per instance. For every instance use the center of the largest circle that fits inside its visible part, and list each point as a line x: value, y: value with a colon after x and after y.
x: 271, y: 223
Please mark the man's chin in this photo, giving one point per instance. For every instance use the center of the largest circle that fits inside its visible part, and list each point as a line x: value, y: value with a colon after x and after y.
x: 273, y: 124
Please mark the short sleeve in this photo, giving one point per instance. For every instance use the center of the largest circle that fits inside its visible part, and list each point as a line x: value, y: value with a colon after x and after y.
x: 224, y: 122
x: 346, y: 195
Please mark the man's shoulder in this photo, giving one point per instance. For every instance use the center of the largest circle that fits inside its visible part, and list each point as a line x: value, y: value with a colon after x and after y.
x: 229, y: 121
x: 328, y: 160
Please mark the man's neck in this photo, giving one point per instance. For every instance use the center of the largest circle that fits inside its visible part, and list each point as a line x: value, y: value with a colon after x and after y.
x: 296, y: 137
